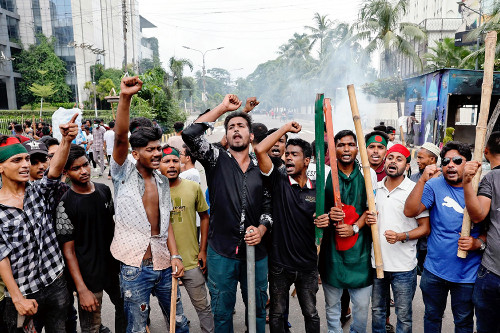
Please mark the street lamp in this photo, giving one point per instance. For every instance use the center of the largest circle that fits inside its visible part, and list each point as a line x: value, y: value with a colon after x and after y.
x: 480, y: 13
x: 204, y: 97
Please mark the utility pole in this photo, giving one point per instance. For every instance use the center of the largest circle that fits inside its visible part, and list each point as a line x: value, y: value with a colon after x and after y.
x: 95, y: 89
x: 124, y: 10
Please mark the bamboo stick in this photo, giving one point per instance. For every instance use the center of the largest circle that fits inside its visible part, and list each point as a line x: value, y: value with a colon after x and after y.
x: 327, y: 109
x: 402, y: 135
x: 173, y: 304
x: 379, y: 265
x: 487, y: 88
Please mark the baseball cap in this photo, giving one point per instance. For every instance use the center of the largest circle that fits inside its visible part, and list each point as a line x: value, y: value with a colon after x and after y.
x: 34, y: 147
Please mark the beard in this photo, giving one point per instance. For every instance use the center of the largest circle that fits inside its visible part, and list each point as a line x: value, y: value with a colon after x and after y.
x: 239, y: 148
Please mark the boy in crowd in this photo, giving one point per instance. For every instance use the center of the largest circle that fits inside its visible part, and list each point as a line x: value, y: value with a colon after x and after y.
x: 85, y: 227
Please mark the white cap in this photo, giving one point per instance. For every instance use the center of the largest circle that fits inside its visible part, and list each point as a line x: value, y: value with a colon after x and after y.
x: 432, y: 148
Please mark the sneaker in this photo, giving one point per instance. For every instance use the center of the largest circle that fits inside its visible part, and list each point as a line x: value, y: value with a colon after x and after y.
x: 389, y: 328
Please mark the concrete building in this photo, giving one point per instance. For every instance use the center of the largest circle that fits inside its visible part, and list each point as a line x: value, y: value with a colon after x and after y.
x: 9, y: 47
x: 86, y: 32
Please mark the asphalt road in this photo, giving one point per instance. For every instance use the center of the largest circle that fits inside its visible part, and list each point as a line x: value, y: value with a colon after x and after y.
x: 295, y: 318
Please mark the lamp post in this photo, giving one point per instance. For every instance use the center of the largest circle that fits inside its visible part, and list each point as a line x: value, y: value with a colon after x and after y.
x: 480, y: 13
x: 204, y: 97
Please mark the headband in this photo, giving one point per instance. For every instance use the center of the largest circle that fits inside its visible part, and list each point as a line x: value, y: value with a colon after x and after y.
x: 377, y: 138
x: 398, y: 148
x: 10, y: 148
x: 169, y: 151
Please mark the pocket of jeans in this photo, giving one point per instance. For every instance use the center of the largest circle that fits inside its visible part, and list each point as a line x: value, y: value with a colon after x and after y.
x: 130, y: 273
x: 482, y: 272
x: 276, y: 270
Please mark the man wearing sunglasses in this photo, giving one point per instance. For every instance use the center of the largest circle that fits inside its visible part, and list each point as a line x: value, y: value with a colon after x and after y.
x: 444, y: 272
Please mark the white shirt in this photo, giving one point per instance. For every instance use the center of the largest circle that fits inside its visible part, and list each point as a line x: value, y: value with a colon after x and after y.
x: 194, y: 175
x: 311, y: 171
x: 398, y: 257
x: 109, y: 138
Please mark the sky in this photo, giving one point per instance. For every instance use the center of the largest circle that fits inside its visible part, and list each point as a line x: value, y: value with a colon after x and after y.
x: 250, y: 32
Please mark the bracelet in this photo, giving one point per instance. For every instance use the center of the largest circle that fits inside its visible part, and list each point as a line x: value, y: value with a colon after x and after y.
x: 407, y: 237
x: 176, y: 256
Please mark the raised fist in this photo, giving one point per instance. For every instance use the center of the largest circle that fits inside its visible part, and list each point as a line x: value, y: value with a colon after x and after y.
x: 130, y: 86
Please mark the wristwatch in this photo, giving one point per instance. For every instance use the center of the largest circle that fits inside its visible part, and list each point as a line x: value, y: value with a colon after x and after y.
x: 407, y: 237
x: 483, y: 245
x: 355, y: 229
x: 176, y: 256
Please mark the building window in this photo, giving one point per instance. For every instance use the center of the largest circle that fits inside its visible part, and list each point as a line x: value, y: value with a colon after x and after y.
x: 13, y: 29
x: 9, y: 5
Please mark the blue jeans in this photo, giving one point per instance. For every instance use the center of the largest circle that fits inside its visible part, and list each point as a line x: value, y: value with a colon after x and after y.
x: 360, y: 298
x: 435, y: 293
x: 137, y: 284
x: 223, y: 277
x: 403, y: 287
x: 280, y: 280
x: 486, y: 299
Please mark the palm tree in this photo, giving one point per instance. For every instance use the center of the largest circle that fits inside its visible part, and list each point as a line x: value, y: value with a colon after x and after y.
x: 446, y: 55
x: 380, y: 24
x: 320, y: 31
x: 491, y: 24
x: 177, y: 68
x: 298, y: 47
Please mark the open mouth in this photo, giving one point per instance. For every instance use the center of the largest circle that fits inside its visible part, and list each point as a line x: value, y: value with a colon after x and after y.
x: 237, y: 136
x: 275, y: 152
x: 375, y: 158
x: 451, y: 173
x: 392, y: 168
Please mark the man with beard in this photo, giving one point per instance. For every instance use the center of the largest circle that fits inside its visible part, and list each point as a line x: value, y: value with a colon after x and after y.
x: 143, y: 241
x: 444, y: 272
x: 345, y: 261
x: 293, y: 258
x: 38, y: 159
x: 85, y: 227
x: 398, y: 239
x: 188, y: 202
x: 376, y: 147
x: 486, y: 289
x: 31, y: 262
x: 237, y: 206
x: 426, y: 155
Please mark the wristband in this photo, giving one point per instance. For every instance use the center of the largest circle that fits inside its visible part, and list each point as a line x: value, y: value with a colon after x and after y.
x: 407, y: 237
x: 176, y: 256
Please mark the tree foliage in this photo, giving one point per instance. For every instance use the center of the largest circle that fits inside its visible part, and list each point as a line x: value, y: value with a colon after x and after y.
x: 446, y: 55
x: 41, y: 57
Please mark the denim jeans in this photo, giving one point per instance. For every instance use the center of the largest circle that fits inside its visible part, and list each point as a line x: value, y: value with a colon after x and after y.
x: 435, y: 293
x: 90, y: 322
x: 306, y: 283
x: 53, y: 303
x: 403, y: 286
x: 486, y: 299
x: 223, y: 277
x: 137, y: 284
x: 360, y: 298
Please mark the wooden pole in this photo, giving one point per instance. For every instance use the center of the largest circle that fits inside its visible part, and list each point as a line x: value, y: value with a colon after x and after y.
x: 482, y: 121
x: 402, y: 135
x: 332, y: 153
x: 379, y: 265
x: 173, y: 304
x: 320, y: 162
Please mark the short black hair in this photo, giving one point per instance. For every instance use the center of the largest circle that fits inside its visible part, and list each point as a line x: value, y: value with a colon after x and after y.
x: 111, y: 124
x: 382, y: 134
x: 462, y: 148
x: 50, y: 141
x: 188, y: 153
x: 306, y: 147
x: 493, y: 143
x: 18, y: 127
x: 97, y: 121
x: 27, y: 123
x: 344, y: 133
x: 46, y: 130
x: 178, y: 126
x: 137, y: 122
x: 272, y: 130
x: 237, y: 114
x: 313, y: 147
x: 144, y: 135
x: 75, y: 152
x: 259, y: 132
x: 390, y: 130
x: 381, y: 128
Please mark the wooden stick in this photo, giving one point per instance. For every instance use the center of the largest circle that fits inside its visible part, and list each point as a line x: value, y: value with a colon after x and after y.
x: 482, y: 121
x: 402, y: 135
x: 379, y: 265
x: 332, y: 153
x: 173, y: 304
x: 320, y: 163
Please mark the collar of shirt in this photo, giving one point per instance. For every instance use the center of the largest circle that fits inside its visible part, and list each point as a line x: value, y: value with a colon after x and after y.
x: 309, y: 183
x: 405, y: 185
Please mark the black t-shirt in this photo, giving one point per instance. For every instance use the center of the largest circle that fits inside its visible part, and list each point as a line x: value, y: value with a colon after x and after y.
x: 293, y: 233
x: 87, y: 219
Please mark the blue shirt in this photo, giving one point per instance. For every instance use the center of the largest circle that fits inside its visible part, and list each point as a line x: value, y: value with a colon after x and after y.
x: 446, y: 205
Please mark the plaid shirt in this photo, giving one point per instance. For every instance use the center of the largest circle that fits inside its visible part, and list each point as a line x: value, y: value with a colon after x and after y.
x: 28, y: 237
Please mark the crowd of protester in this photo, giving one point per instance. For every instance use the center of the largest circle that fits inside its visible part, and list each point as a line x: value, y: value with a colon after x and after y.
x: 64, y: 235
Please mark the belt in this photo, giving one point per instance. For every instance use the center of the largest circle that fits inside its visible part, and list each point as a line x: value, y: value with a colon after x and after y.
x: 147, y: 262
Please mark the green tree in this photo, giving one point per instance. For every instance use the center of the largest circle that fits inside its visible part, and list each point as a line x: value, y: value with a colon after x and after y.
x: 176, y: 67
x: 392, y: 88
x: 320, y: 32
x: 446, y: 55
x: 380, y: 24
x: 43, y: 92
x: 41, y: 56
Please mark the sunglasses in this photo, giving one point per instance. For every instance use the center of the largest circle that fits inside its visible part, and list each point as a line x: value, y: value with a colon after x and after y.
x: 457, y: 160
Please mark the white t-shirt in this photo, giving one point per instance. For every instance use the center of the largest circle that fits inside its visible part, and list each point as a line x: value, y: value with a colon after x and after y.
x: 398, y: 257
x: 311, y: 171
x: 109, y: 138
x: 194, y: 175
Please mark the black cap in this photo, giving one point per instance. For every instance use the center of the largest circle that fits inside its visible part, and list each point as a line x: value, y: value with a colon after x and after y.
x: 35, y: 147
